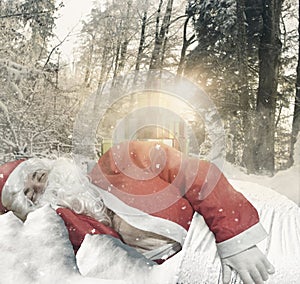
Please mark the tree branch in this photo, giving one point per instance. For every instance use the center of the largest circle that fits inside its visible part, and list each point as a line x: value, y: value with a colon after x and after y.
x: 6, y: 114
x: 53, y: 49
x: 7, y: 142
x: 23, y: 14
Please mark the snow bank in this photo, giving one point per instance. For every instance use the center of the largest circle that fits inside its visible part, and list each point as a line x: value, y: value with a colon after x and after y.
x: 286, y: 182
x: 38, y: 251
x: 104, y: 257
x: 281, y: 219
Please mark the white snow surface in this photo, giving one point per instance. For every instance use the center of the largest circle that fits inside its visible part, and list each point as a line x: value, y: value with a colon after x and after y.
x: 286, y: 182
x: 38, y: 251
x: 281, y: 219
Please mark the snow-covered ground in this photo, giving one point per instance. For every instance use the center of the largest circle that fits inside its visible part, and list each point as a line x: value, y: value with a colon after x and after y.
x: 285, y: 182
x: 281, y: 219
x: 39, y: 252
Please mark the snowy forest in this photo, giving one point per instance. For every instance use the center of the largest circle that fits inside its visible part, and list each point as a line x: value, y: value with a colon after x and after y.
x: 244, y: 54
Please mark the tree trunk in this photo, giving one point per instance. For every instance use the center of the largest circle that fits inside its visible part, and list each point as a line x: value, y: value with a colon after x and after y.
x: 157, y: 43
x: 125, y: 42
x: 88, y: 70
x: 244, y: 96
x: 156, y: 59
x: 117, y: 56
x: 163, y: 51
x: 296, y: 117
x: 185, y: 45
x: 103, y: 67
x: 269, y: 53
x: 142, y: 41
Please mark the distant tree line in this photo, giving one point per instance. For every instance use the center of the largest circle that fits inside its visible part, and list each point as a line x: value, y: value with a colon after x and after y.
x: 243, y: 53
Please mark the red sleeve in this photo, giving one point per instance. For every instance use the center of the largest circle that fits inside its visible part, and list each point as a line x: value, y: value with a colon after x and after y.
x: 80, y: 225
x: 226, y: 211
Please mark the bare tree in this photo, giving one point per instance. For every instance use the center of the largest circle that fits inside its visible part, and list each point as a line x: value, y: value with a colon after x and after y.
x: 125, y: 37
x: 186, y: 42
x: 161, y: 34
x: 142, y: 39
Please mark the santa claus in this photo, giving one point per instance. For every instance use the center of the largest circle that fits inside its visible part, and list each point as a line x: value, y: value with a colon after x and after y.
x: 144, y: 194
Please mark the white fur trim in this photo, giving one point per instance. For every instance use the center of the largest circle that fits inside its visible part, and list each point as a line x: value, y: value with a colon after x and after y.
x: 142, y: 220
x: 13, y: 197
x: 242, y: 241
x: 163, y: 252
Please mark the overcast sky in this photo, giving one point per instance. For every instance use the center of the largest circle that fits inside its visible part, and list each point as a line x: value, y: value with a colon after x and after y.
x: 69, y: 19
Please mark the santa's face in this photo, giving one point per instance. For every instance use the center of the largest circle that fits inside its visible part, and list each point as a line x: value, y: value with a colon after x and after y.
x: 60, y: 183
x: 35, y: 185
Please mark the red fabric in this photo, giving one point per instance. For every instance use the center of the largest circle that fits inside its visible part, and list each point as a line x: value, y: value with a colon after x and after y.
x: 5, y: 171
x: 226, y: 212
x: 80, y: 225
x: 139, y: 175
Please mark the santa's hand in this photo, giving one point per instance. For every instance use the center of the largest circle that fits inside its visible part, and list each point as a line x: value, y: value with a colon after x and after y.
x: 251, y: 264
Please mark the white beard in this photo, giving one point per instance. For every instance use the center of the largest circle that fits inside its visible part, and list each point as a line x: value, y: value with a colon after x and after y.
x: 69, y: 187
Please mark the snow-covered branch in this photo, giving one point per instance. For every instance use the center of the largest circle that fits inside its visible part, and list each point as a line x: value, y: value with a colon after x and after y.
x: 4, y: 109
x: 8, y: 142
x: 23, y: 14
x: 18, y: 69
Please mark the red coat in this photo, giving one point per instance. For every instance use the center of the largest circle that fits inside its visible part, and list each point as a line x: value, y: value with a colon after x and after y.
x: 159, y: 181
